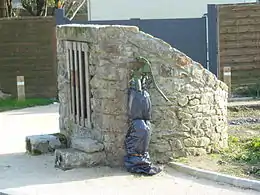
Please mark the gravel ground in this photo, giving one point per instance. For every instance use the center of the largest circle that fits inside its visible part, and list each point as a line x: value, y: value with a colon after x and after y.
x: 244, y: 121
x: 22, y: 174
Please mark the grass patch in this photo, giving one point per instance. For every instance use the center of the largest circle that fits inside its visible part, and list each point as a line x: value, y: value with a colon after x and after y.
x: 244, y: 152
x: 247, y: 91
x: 12, y: 104
x: 241, y: 159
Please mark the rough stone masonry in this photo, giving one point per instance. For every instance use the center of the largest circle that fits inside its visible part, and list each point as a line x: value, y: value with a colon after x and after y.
x: 195, y: 123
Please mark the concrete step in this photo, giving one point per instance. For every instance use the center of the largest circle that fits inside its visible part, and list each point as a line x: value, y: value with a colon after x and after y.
x: 46, y: 143
x: 70, y: 158
x: 86, y: 145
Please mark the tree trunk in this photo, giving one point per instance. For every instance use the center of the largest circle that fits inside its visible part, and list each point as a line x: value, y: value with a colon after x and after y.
x: 2, y: 8
x: 9, y: 8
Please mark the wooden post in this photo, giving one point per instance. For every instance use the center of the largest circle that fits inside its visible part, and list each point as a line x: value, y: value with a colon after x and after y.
x: 20, y: 88
x: 227, y: 78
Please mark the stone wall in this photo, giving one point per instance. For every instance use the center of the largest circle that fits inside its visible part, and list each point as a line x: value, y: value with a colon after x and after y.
x: 194, y: 123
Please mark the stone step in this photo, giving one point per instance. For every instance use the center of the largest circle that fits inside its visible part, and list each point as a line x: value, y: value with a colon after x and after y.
x: 86, y: 145
x: 70, y: 158
x: 45, y: 143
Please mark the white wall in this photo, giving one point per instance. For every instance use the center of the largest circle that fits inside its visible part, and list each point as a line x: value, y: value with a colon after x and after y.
x: 151, y: 9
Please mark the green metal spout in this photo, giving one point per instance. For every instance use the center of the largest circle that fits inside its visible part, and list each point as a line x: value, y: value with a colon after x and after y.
x: 143, y: 73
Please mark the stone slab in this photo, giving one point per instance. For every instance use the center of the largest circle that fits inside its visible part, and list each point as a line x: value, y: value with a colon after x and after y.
x: 70, y: 158
x: 217, y: 177
x: 42, y: 144
x: 86, y: 145
x: 4, y: 96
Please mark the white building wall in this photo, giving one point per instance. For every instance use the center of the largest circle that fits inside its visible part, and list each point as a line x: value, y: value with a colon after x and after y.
x: 151, y: 9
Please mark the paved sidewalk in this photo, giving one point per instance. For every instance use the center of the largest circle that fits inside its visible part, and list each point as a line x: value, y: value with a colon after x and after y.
x: 26, y: 175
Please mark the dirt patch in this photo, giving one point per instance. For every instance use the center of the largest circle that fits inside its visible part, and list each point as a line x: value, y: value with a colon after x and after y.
x: 243, y: 111
x: 242, y: 158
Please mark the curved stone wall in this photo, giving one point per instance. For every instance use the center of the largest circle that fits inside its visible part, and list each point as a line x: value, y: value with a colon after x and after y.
x: 194, y: 123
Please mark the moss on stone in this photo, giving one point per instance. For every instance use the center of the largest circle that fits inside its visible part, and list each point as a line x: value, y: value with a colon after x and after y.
x: 62, y: 138
x: 35, y: 152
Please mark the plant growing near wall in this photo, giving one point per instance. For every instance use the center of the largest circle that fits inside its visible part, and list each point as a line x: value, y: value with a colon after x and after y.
x: 37, y: 7
x: 40, y: 7
x: 252, y: 90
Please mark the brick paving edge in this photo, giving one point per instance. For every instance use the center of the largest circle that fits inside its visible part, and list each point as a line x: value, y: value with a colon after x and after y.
x: 217, y: 177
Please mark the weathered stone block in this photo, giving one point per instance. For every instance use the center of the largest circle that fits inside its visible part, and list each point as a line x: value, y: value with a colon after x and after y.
x: 164, y: 146
x: 113, y: 106
x: 4, y: 95
x: 176, y: 144
x: 196, y: 151
x: 197, y: 132
x: 194, y: 102
x: 183, y: 101
x: 167, y: 134
x: 111, y: 73
x: 190, y: 142
x: 40, y: 144
x: 70, y: 158
x: 166, y: 124
x: 115, y: 158
x: 106, y: 122
x: 86, y: 145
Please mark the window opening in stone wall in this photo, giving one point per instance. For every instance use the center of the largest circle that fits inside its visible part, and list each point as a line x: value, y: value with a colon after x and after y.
x: 77, y: 62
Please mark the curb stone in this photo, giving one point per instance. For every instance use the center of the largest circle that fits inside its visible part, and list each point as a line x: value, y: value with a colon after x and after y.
x: 217, y: 177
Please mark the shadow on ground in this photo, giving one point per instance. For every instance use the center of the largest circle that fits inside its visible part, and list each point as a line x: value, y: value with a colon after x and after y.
x: 23, y: 174
x: 20, y: 173
x: 18, y: 170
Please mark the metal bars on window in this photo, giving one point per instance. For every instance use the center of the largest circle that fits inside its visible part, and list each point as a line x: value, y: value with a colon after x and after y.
x: 78, y: 67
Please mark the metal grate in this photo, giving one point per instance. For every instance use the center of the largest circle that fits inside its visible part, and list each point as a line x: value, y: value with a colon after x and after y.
x: 78, y: 67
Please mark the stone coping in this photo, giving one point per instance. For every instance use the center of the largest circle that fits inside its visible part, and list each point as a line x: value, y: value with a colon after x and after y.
x: 217, y: 177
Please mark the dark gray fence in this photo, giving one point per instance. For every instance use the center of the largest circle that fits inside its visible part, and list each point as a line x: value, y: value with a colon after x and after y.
x: 212, y: 33
x: 189, y: 35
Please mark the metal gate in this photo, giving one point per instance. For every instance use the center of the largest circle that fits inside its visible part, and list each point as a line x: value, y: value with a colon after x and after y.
x: 77, y: 64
